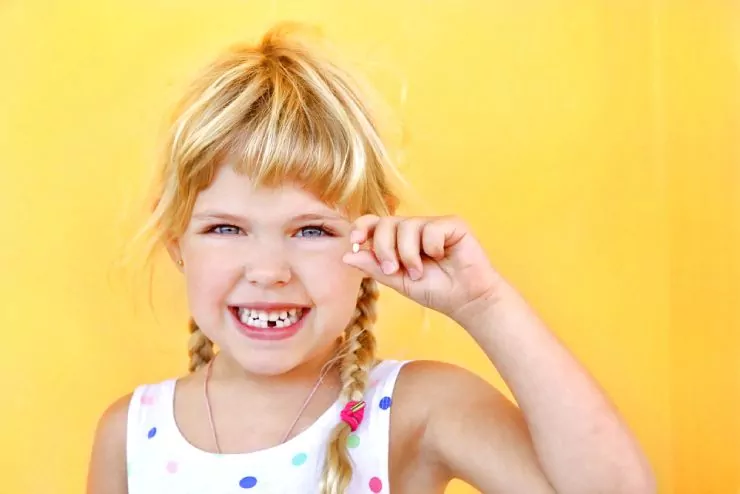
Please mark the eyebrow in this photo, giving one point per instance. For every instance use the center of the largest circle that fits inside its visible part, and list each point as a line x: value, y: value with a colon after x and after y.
x: 218, y: 215
x: 319, y: 216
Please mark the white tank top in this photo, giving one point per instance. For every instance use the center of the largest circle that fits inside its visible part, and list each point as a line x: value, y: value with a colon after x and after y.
x: 161, y: 461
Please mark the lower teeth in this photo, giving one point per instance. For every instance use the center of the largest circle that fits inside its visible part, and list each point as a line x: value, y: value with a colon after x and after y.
x: 257, y: 323
x: 282, y: 321
x: 270, y: 324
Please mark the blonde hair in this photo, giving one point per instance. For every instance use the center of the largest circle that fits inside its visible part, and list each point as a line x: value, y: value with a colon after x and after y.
x: 281, y: 111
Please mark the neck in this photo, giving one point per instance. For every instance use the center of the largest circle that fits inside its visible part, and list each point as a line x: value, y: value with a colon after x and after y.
x: 228, y: 371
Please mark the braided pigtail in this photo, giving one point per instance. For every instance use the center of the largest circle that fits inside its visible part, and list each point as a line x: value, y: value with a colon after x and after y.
x: 356, y: 363
x: 200, y: 348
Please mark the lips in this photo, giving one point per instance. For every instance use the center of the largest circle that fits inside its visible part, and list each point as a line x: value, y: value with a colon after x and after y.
x: 275, y: 323
x: 263, y: 319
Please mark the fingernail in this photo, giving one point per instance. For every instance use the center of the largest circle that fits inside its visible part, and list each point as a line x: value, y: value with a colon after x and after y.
x: 388, y: 267
x: 414, y: 274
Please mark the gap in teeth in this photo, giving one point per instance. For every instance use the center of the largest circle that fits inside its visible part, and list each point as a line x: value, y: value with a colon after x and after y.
x: 269, y: 319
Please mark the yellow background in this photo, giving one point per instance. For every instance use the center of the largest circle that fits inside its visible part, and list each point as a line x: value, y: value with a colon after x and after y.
x: 592, y: 144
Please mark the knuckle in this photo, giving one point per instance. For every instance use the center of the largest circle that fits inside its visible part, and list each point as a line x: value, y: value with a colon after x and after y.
x: 384, y: 241
x: 408, y: 249
x: 409, y: 226
x: 366, y: 220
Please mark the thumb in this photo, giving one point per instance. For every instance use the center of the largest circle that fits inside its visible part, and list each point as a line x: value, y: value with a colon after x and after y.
x: 366, y: 262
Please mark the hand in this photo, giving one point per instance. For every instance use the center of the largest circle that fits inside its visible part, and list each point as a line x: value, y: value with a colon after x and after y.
x: 434, y: 261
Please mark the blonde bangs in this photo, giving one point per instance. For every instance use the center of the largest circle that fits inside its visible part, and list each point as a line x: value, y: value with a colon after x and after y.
x: 279, y: 114
x: 301, y: 133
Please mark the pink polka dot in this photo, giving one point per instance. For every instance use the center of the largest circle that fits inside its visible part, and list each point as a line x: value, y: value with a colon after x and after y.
x: 172, y: 466
x: 376, y: 485
x: 147, y: 400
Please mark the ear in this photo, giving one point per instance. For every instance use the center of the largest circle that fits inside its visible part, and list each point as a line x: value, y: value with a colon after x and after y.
x: 173, y: 249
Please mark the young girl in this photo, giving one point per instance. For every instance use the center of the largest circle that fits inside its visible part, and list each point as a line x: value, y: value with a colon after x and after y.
x: 276, y: 205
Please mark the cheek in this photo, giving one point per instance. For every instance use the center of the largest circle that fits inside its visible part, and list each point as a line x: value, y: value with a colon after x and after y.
x: 331, y: 284
x: 210, y: 275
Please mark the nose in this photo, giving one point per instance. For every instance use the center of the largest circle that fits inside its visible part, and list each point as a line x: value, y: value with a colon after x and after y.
x: 266, y: 266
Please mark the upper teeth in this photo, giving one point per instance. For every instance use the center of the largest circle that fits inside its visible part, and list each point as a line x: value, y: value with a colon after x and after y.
x: 269, y: 319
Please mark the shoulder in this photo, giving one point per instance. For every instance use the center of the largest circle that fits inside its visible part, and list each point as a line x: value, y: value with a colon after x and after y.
x: 450, y: 403
x: 112, y: 423
x: 439, y: 390
x: 431, y: 397
x: 133, y: 410
x: 432, y: 382
x: 107, y: 470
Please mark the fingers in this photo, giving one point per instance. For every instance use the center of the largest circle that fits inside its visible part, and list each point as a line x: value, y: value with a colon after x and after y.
x: 364, y: 227
x: 384, y: 244
x: 409, y: 246
x: 394, y: 241
x: 433, y: 240
x: 367, y: 262
x: 380, y: 234
x: 402, y: 244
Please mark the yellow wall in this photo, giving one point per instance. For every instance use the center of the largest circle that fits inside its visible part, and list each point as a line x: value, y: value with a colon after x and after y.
x: 592, y: 144
x: 702, y: 153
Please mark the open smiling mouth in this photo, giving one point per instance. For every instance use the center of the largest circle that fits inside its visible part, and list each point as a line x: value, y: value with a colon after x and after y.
x: 276, y: 323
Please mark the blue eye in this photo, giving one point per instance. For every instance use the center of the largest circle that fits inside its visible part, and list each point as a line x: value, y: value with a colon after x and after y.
x: 225, y: 230
x: 312, y: 231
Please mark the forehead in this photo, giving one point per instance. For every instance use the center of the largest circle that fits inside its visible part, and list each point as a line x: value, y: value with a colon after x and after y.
x: 235, y: 193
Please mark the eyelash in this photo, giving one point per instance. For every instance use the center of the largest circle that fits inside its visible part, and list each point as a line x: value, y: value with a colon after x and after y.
x: 213, y: 228
x: 326, y: 231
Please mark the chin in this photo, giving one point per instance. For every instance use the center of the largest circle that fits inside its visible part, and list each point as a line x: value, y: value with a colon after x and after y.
x: 267, y: 363
x: 272, y: 352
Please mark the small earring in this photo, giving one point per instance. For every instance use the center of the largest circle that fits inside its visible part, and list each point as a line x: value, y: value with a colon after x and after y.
x: 180, y: 263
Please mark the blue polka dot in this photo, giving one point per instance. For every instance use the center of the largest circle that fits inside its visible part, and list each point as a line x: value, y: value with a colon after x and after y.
x: 385, y: 403
x: 152, y: 432
x: 247, y: 482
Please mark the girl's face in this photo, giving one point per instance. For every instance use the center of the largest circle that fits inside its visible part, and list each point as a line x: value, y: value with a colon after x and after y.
x: 264, y: 272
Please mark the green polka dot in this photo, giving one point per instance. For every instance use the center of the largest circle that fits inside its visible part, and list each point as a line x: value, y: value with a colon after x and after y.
x: 353, y: 441
x: 300, y: 459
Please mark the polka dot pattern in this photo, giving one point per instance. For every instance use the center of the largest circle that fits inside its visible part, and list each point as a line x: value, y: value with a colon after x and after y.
x: 247, y: 482
x: 299, y: 459
x: 164, y: 464
x: 353, y: 441
x: 385, y: 403
x: 375, y: 485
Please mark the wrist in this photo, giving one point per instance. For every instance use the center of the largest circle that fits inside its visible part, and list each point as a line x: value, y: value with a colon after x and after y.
x: 482, y: 310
